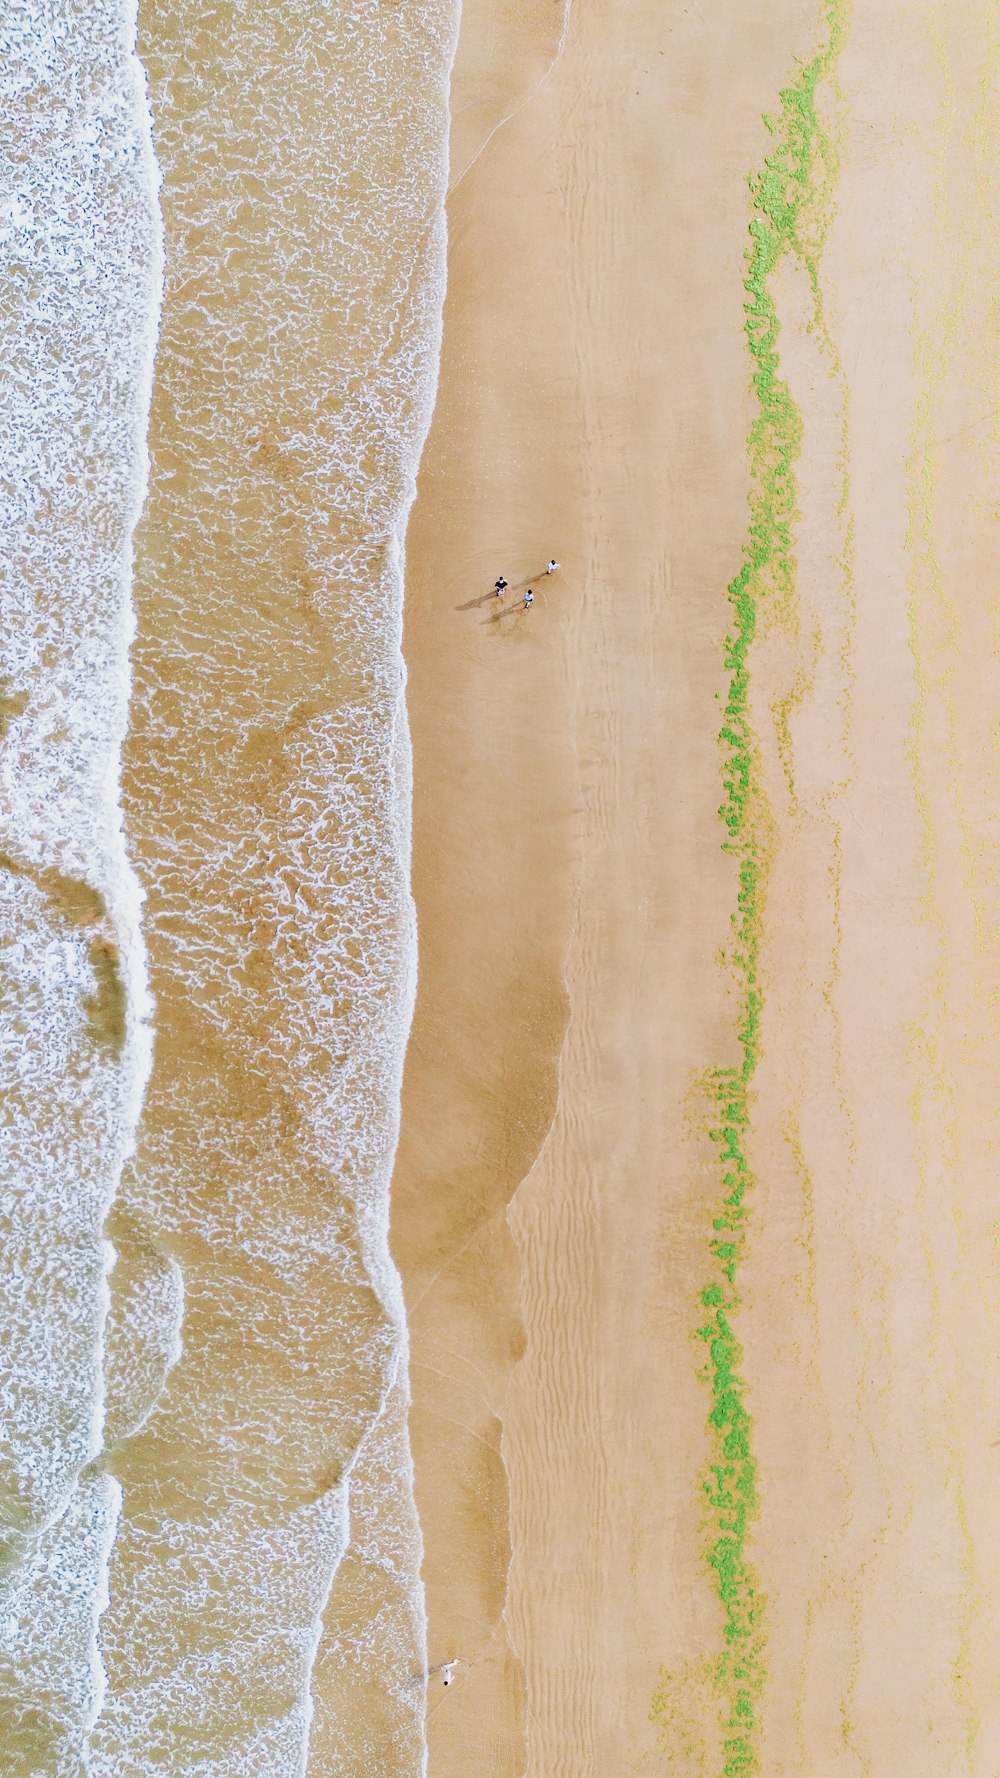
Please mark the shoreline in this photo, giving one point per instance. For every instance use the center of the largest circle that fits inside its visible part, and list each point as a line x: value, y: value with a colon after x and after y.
x: 488, y: 758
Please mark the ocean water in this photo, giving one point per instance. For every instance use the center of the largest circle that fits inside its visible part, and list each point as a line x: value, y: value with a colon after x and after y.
x: 80, y: 273
x: 210, y: 1556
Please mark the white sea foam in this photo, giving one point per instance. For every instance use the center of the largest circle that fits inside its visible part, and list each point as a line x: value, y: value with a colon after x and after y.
x: 51, y: 1677
x: 372, y: 1661
x: 268, y: 802
x: 80, y: 271
x: 255, y: 1597
x: 243, y: 1581
x: 142, y: 1338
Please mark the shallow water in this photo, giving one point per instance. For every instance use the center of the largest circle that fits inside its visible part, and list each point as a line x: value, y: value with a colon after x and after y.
x: 186, y: 1470
x: 79, y: 267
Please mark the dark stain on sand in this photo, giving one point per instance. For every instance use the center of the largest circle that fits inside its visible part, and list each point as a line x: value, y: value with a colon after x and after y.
x: 77, y: 903
x: 106, y: 1008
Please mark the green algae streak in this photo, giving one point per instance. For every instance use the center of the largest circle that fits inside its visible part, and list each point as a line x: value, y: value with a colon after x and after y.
x: 786, y: 218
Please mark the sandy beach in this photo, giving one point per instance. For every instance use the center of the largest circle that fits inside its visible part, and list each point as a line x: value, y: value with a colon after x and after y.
x: 501, y: 1261
x: 548, y: 1199
x: 557, y: 1187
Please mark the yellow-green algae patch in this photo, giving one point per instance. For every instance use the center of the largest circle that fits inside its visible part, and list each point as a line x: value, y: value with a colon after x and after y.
x: 786, y: 196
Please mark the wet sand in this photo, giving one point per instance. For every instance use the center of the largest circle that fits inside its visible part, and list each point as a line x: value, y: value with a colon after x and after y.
x: 556, y: 1186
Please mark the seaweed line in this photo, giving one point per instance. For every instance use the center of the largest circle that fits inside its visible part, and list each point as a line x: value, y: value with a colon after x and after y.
x: 784, y: 198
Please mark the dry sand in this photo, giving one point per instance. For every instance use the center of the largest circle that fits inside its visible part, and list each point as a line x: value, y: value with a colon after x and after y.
x: 555, y: 1185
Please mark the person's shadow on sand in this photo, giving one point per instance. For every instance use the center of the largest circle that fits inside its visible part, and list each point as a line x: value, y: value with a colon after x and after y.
x: 516, y: 587
x: 517, y: 609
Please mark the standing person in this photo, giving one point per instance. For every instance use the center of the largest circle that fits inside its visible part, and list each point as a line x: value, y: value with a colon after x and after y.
x: 501, y: 587
x: 529, y: 597
x: 552, y: 566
